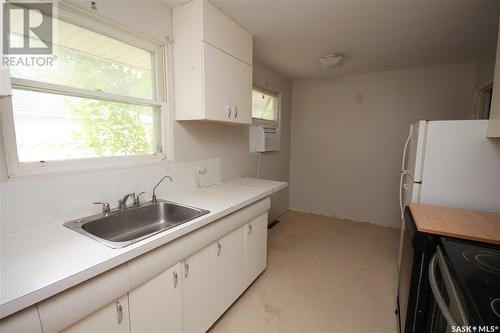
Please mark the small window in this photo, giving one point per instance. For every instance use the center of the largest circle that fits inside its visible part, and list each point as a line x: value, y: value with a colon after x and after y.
x: 101, y: 98
x: 264, y: 106
x: 482, y: 105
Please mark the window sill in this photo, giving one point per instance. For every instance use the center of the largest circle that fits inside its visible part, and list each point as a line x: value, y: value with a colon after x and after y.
x: 265, y: 123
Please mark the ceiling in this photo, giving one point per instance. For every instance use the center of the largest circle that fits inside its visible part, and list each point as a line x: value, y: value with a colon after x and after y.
x: 290, y: 36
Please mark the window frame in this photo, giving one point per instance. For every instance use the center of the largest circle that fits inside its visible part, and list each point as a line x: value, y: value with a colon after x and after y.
x: 91, y: 21
x: 265, y: 122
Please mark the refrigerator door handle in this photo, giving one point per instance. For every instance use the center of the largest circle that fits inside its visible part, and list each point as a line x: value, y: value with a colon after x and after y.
x: 405, y: 150
x: 401, y: 187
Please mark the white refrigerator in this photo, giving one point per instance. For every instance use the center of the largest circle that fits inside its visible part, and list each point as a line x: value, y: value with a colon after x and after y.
x: 450, y: 163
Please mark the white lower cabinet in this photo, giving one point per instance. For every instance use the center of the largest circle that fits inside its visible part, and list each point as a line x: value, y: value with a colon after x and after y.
x: 255, y: 248
x: 24, y: 321
x: 112, y: 318
x: 156, y: 306
x: 229, y: 269
x: 191, y: 295
x: 187, y: 297
x: 198, y: 312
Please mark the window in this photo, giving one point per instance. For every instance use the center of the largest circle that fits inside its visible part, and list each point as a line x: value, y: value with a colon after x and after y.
x: 482, y: 103
x: 101, y: 103
x: 264, y: 106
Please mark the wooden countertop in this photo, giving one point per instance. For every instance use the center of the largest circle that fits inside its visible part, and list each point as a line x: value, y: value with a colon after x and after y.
x: 457, y: 222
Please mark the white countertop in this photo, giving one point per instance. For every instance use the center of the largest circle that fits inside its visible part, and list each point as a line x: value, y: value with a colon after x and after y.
x: 42, y: 262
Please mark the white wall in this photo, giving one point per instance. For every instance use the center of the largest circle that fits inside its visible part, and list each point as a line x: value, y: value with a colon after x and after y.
x: 346, y: 153
x: 56, y: 198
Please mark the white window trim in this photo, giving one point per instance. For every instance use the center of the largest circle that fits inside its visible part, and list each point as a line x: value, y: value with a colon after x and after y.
x: 265, y: 122
x: 91, y: 21
x: 18, y: 169
x: 45, y: 87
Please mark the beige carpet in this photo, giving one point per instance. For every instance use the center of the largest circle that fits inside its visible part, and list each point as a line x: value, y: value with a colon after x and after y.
x: 323, y: 275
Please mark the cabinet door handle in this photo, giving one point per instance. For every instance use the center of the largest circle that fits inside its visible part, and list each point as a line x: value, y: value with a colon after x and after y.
x: 186, y: 269
x: 219, y: 248
x: 119, y: 312
x: 250, y: 227
x: 235, y: 109
x: 175, y: 278
x: 228, y: 109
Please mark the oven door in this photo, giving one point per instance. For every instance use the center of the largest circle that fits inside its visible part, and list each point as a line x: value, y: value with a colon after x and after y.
x: 446, y: 308
x: 405, y: 276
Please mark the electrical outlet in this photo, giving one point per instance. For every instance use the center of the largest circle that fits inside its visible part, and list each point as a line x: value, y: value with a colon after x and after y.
x: 202, y: 170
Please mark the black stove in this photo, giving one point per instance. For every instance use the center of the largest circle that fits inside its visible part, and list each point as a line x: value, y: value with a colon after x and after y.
x: 476, y: 268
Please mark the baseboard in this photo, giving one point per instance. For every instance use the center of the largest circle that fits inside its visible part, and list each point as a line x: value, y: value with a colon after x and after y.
x: 343, y: 218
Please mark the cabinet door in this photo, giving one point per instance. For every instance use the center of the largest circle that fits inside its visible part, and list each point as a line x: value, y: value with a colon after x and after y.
x: 198, y: 311
x: 217, y: 82
x: 241, y: 93
x: 229, y: 269
x: 24, y: 321
x: 156, y: 306
x: 221, y: 31
x: 255, y: 247
x: 112, y: 318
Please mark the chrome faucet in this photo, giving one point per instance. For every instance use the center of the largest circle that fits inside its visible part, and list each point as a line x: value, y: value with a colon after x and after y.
x: 154, y: 200
x: 137, y: 199
x: 122, y: 203
x: 106, y: 208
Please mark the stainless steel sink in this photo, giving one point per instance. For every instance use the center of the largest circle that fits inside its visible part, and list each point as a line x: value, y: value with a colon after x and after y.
x: 124, y: 227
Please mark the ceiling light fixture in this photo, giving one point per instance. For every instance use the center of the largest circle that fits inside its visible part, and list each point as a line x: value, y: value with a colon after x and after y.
x: 331, y: 60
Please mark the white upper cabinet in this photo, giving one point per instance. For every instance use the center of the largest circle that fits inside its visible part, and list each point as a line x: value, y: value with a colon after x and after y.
x: 224, y: 33
x: 217, y: 83
x: 212, y: 65
x: 241, y: 92
x: 156, y: 306
x: 494, y: 121
x: 227, y: 93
